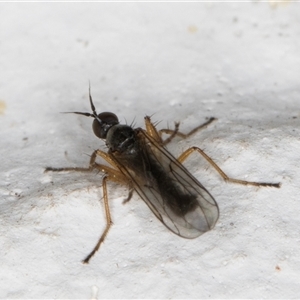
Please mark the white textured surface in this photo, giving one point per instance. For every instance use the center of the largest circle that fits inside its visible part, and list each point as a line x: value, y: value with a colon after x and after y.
x: 238, y: 62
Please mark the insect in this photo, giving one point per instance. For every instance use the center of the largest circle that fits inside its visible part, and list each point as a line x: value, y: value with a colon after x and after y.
x: 138, y: 158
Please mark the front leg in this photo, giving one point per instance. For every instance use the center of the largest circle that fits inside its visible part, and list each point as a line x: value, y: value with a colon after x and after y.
x: 76, y: 169
x: 157, y: 134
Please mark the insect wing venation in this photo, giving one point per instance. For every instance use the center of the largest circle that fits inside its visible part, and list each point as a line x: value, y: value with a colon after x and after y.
x: 175, y: 196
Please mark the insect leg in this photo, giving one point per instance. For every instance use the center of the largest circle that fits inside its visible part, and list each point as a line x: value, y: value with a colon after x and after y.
x: 76, y: 169
x: 157, y: 134
x: 189, y: 151
x: 152, y: 131
x: 116, y: 176
x: 131, y: 190
x: 92, y: 165
x: 111, y: 174
x: 108, y: 221
x: 172, y: 133
x: 184, y: 135
x: 106, y: 156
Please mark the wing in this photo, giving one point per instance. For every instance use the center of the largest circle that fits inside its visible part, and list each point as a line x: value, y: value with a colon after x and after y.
x: 175, y: 196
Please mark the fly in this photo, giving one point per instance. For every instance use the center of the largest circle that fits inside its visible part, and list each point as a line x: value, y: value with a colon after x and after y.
x: 138, y: 158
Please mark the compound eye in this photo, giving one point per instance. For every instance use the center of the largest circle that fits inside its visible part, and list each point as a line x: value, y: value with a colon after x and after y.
x: 98, y: 129
x: 103, y: 123
x: 108, y: 118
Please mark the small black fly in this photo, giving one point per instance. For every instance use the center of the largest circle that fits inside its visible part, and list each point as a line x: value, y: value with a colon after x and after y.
x: 138, y: 158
